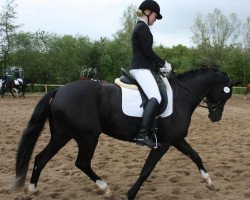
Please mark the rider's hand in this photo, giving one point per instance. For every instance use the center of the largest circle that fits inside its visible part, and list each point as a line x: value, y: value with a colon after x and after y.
x: 168, y: 67
x: 163, y: 70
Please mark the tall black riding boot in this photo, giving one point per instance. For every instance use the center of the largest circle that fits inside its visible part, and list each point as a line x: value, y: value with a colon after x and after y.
x: 148, y: 117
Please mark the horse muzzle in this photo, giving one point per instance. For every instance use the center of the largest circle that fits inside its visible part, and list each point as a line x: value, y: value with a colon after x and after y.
x: 215, y: 117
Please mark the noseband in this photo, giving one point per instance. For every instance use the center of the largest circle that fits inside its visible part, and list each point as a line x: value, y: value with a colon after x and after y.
x: 212, y: 106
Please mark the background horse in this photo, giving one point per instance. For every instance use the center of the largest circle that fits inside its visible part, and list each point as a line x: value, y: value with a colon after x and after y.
x: 10, y: 85
x: 1, y: 83
x: 83, y: 110
x: 247, y: 91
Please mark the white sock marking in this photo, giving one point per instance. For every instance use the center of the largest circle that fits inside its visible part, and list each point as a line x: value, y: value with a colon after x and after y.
x: 31, y: 188
x: 103, y: 186
x: 206, y: 177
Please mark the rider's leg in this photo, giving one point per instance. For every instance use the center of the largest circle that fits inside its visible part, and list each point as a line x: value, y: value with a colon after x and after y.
x: 147, y: 82
x: 148, y: 118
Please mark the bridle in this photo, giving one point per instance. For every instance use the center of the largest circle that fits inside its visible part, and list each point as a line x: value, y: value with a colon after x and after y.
x: 211, y: 106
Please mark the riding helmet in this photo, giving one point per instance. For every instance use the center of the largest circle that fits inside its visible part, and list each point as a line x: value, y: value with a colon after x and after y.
x: 151, y: 5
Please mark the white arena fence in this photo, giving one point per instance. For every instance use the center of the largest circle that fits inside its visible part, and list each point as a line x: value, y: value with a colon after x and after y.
x: 46, y: 86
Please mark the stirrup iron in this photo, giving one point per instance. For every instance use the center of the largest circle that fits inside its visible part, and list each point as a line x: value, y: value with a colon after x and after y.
x: 156, y: 141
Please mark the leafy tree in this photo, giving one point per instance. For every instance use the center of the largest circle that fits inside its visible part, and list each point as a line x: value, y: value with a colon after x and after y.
x: 7, y: 30
x: 30, y: 52
x: 213, y: 33
x: 63, y: 59
x: 246, y: 39
x: 246, y: 52
x: 179, y: 56
x: 128, y: 21
x: 122, y: 39
x: 233, y: 62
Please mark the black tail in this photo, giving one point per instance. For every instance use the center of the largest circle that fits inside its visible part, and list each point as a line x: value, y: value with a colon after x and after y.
x: 30, y: 137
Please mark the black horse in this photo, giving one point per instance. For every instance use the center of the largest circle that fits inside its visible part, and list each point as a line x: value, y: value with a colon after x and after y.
x: 20, y: 89
x: 83, y: 110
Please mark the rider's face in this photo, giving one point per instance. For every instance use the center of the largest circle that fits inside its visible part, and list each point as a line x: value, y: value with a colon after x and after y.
x: 152, y: 18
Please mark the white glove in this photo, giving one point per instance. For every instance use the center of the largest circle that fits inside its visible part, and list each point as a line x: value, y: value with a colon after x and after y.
x: 168, y: 67
x: 163, y: 70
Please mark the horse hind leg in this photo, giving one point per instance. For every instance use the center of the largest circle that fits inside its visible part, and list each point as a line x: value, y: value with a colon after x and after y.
x: 83, y: 161
x: 42, y: 159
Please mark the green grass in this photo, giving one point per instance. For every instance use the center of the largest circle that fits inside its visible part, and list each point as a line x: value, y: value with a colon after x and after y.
x: 239, y: 90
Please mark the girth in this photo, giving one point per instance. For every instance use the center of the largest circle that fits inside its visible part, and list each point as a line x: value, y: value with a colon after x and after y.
x: 126, y: 78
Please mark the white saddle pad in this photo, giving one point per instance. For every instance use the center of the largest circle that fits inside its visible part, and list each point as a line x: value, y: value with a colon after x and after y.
x: 131, y: 101
x: 16, y: 82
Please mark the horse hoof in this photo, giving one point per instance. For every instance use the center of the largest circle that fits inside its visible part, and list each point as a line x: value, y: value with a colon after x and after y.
x: 212, y: 188
x: 30, y: 190
x: 102, y: 185
x: 108, y: 193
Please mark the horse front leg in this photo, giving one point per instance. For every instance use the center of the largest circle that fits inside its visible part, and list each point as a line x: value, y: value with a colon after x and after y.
x: 187, y: 150
x: 23, y: 89
x: 12, y: 92
x: 22, y: 95
x: 153, y: 158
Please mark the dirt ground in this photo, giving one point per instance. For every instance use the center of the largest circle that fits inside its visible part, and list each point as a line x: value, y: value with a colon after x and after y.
x: 223, y: 146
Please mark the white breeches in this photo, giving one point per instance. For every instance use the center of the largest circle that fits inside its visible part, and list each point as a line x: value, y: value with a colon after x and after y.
x: 147, y: 82
x: 20, y: 80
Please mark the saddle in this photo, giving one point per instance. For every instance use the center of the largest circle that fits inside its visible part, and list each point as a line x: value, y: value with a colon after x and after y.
x: 126, y: 80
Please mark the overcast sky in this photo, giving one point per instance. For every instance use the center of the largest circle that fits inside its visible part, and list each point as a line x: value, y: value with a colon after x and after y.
x: 102, y: 18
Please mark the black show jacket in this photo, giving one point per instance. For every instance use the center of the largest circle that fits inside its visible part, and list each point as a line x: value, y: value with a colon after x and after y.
x: 143, y: 55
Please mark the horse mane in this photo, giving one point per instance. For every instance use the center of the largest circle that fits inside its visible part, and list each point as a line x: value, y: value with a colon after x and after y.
x: 199, y: 70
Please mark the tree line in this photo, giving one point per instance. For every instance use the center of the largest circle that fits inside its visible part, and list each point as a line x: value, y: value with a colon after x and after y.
x: 219, y: 41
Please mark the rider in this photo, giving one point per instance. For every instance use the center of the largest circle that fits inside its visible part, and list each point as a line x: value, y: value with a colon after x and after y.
x: 144, y: 62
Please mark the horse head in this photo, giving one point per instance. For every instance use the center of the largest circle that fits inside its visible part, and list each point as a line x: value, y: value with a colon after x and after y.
x: 29, y: 80
x: 216, y: 99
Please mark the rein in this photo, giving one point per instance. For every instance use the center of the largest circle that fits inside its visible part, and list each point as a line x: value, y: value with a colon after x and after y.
x: 191, y: 91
